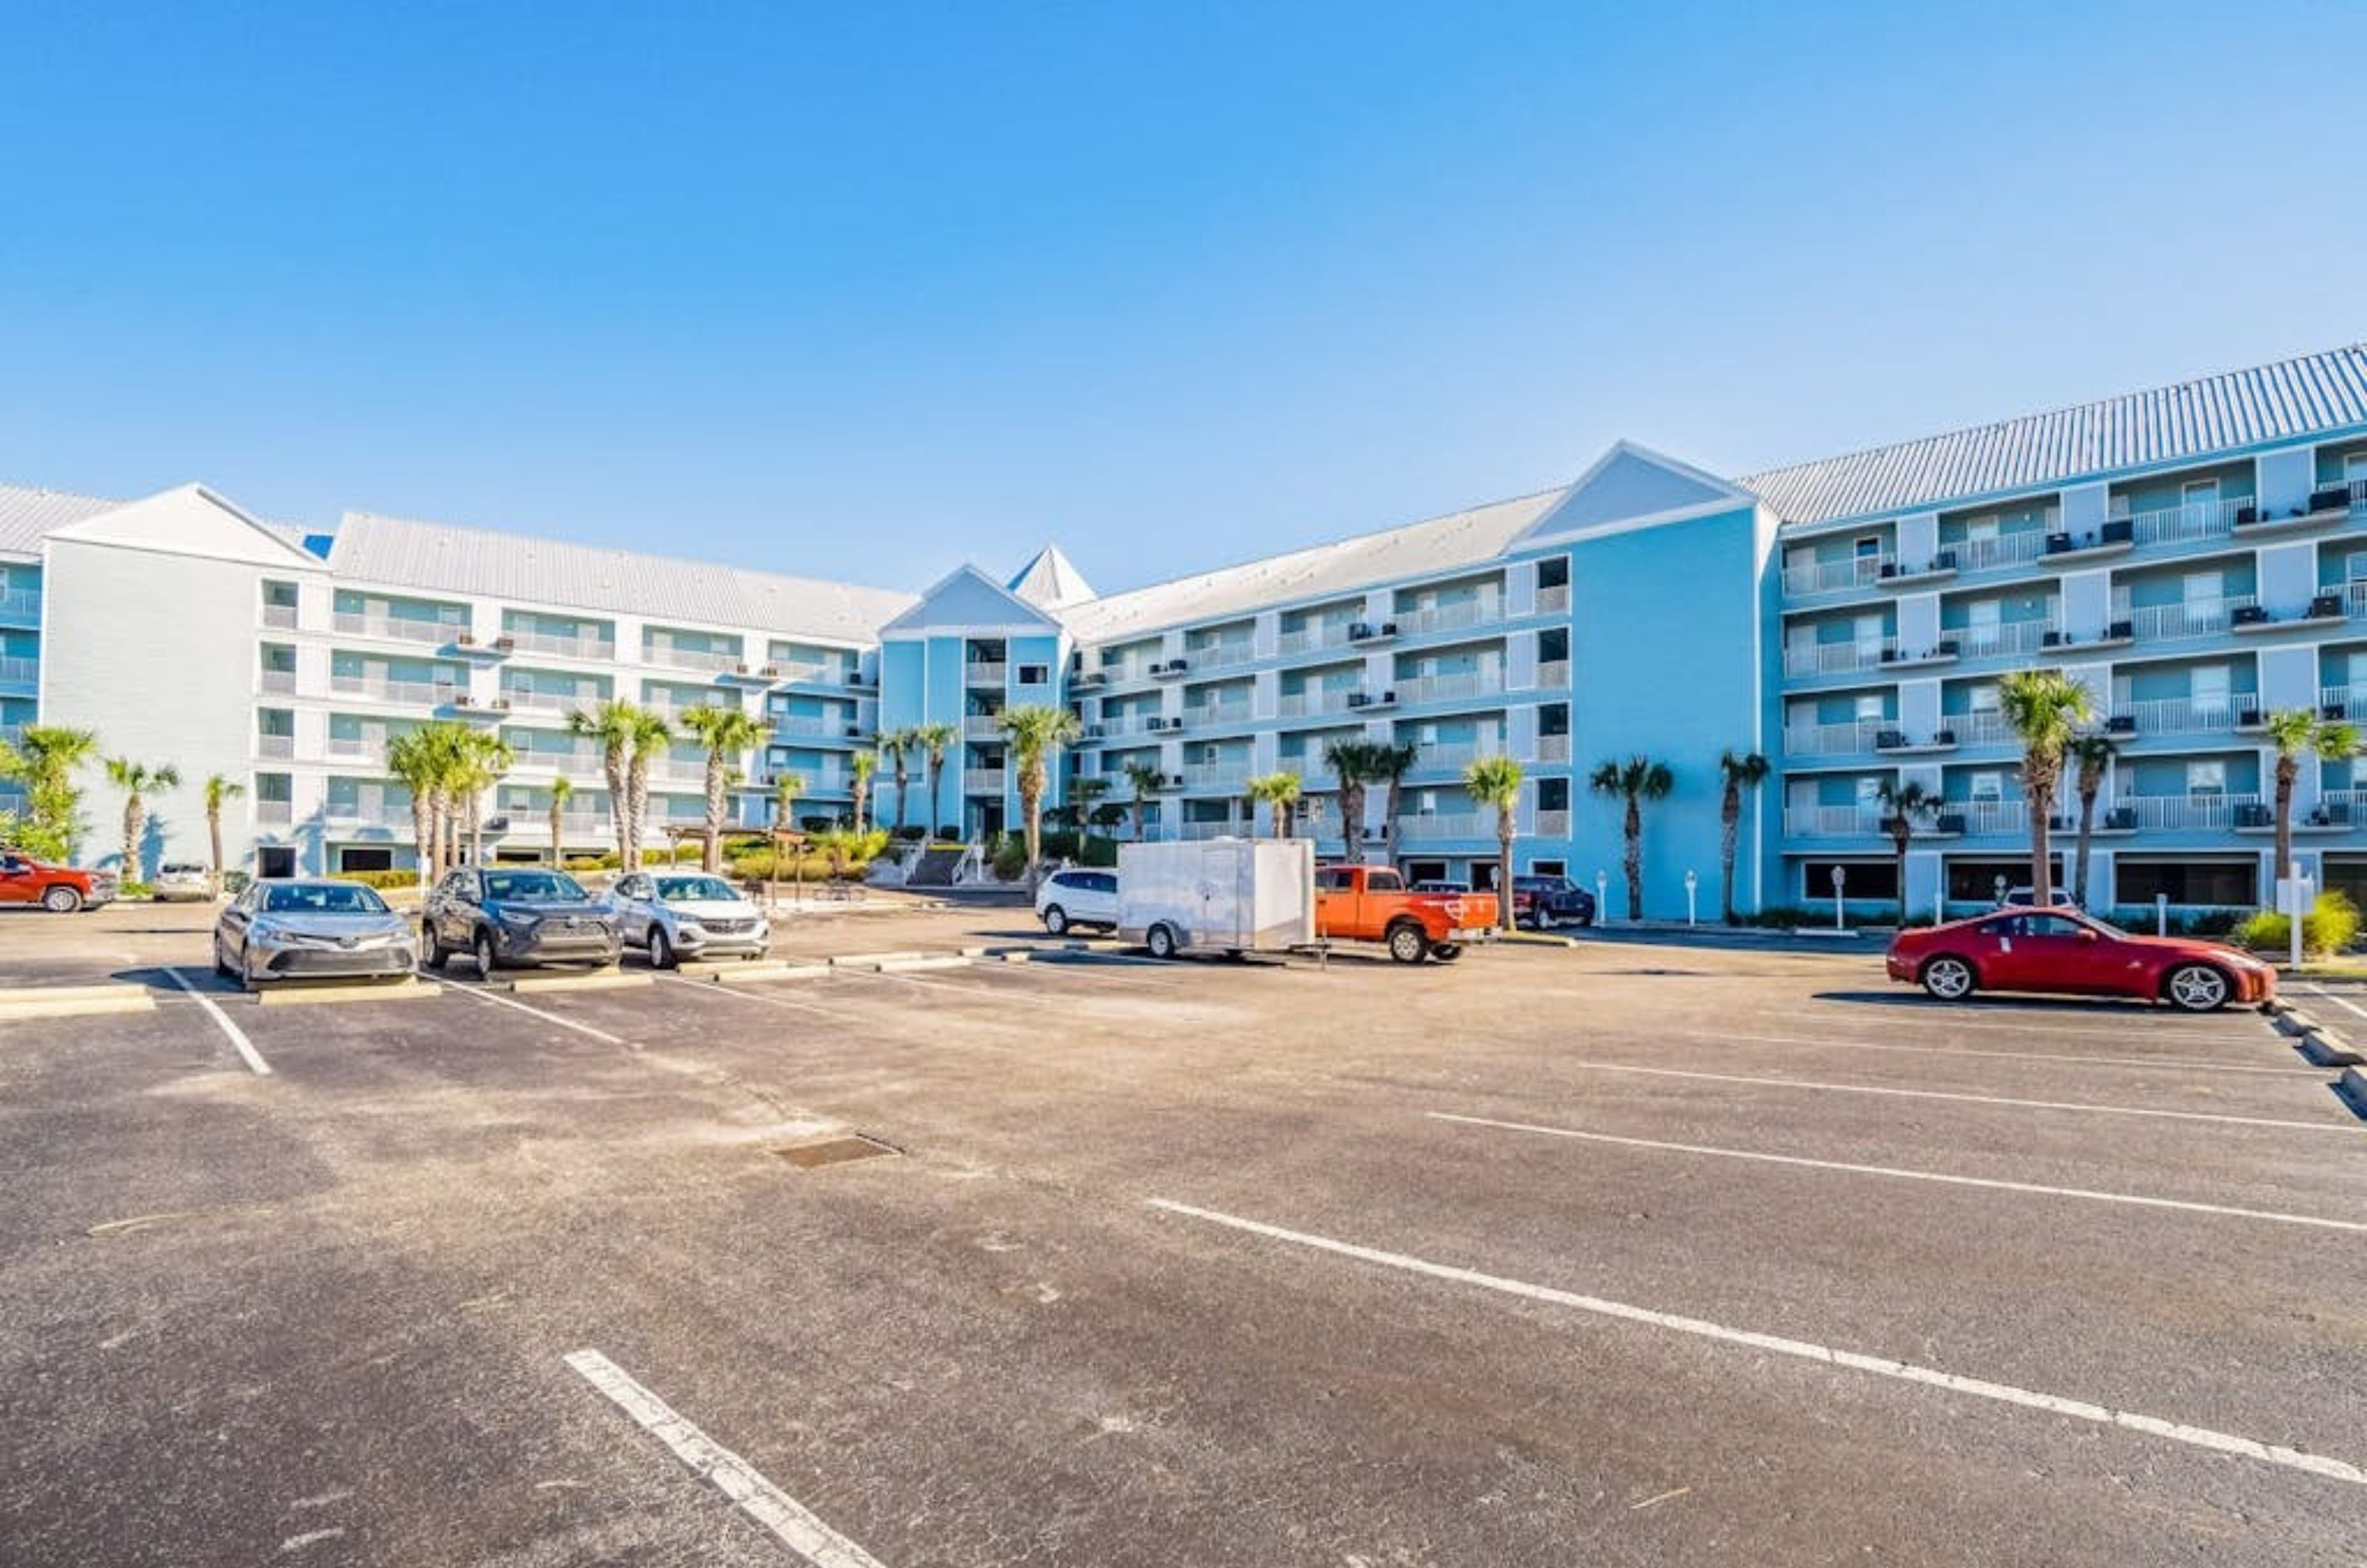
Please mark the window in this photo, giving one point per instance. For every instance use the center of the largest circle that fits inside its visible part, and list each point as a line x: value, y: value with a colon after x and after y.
x: 1863, y: 879
x: 2354, y: 467
x: 1867, y: 547
x: 2203, y: 587
x: 1984, y: 699
x: 2227, y: 884
x: 1379, y: 880
x: 1868, y: 705
x: 2209, y: 688
x: 2199, y: 493
x: 1331, y: 879
x: 1551, y: 868
x: 1984, y: 881
x: 1983, y: 616
x: 1035, y: 674
x: 350, y: 859
x: 1989, y: 785
x: 2206, y: 777
x: 1980, y: 530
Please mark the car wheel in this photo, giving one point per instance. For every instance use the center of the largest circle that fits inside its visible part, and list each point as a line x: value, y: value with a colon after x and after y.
x: 1447, y: 952
x: 661, y: 950
x: 1408, y: 945
x: 1160, y: 940
x: 1544, y: 920
x: 1948, y: 977
x: 486, y: 961
x: 1056, y: 920
x: 61, y: 900
x: 438, y: 954
x: 2196, y: 987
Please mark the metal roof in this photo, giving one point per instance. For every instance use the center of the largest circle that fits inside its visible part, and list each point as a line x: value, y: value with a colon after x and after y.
x: 2293, y: 399
x: 28, y: 516
x: 440, y: 558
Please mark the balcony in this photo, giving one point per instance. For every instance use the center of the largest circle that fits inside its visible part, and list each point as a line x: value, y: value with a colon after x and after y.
x: 19, y: 671
x: 1850, y: 738
x: 980, y: 672
x: 284, y: 746
x: 1851, y: 821
x: 2341, y: 702
x: 1452, y: 688
x: 582, y: 758
x: 984, y: 781
x: 283, y: 680
x: 397, y: 628
x: 2190, y: 619
x: 2327, y: 503
x: 421, y: 693
x: 275, y: 813
x: 672, y: 657
x: 1198, y: 830
x: 1486, y: 609
x: 1998, y: 549
x: 2189, y: 524
x: 806, y: 724
x: 2191, y: 813
x: 281, y: 617
x: 1308, y: 704
x: 1553, y: 601
x: 1306, y: 639
x: 1832, y: 576
x: 2184, y: 715
x: 1237, y: 711
x: 577, y: 647
x: 1117, y: 725
x: 1986, y: 817
x: 539, y: 700
x: 1553, y: 675
x: 1839, y: 658
x: 1552, y: 825
x: 988, y: 726
x: 1553, y: 749
x: 1427, y: 825
x: 1453, y: 757
x: 1982, y: 727
x: 2005, y: 638
x: 1226, y: 778
x: 369, y: 804
x: 1222, y: 655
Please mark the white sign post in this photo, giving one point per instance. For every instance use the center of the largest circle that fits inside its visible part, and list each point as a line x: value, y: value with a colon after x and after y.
x: 1692, y: 882
x: 2292, y: 896
x: 1601, y: 896
x: 1841, y: 920
x: 2161, y: 914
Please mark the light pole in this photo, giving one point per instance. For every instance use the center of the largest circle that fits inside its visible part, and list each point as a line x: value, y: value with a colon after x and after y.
x: 1601, y: 896
x: 1841, y: 920
x: 1692, y: 882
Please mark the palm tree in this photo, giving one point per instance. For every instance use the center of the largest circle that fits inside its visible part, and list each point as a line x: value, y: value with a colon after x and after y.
x: 893, y: 746
x: 1391, y: 762
x: 1353, y: 762
x: 135, y: 780
x: 1035, y: 734
x: 613, y: 726
x: 651, y: 735
x: 1278, y: 792
x: 485, y: 758
x: 786, y: 787
x: 1739, y: 773
x: 220, y: 787
x: 411, y: 759
x: 934, y: 738
x: 1085, y: 791
x: 1902, y: 804
x: 2293, y: 731
x: 1634, y: 780
x: 562, y: 790
x: 864, y: 764
x: 43, y: 760
x: 1496, y: 782
x: 846, y: 845
x: 2046, y: 709
x: 2089, y: 755
x: 726, y: 732
x: 1144, y: 778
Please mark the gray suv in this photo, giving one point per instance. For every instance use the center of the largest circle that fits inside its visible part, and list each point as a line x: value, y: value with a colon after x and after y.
x: 503, y: 915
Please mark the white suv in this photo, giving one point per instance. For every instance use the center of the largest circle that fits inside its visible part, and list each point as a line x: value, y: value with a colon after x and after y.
x: 1078, y: 898
x: 677, y: 914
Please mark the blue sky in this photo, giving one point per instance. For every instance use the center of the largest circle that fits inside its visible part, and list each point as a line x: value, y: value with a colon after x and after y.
x: 865, y: 292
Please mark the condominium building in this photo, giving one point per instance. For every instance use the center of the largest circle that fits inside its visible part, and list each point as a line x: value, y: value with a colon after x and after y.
x: 2196, y: 556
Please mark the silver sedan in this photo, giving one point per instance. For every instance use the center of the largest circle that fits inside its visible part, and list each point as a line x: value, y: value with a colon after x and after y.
x: 311, y: 929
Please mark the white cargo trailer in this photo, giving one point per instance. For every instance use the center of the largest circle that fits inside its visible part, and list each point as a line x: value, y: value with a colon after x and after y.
x: 1229, y: 895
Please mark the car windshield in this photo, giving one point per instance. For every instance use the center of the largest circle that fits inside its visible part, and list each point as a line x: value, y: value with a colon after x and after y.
x: 546, y: 885
x: 322, y: 898
x: 691, y: 889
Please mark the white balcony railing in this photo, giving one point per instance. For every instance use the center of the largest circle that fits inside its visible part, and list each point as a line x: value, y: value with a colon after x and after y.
x: 2185, y: 813
x: 398, y: 629
x: 1837, y: 657
x: 278, y: 680
x: 984, y: 781
x: 1449, y: 825
x: 576, y: 647
x: 1222, y: 654
x: 1304, y: 705
x: 1989, y: 815
x: 1306, y: 639
x: 1553, y: 601
x: 23, y: 670
x: 2185, y: 525
x: 2000, y: 549
x: 1982, y: 727
x: 2185, y: 716
x: 1115, y: 725
x: 1553, y: 675
x: 1829, y: 576
x: 2191, y: 618
x: 2343, y: 806
x: 275, y: 813
x: 2004, y: 638
x: 1452, y: 757
x: 1846, y: 739
x: 1552, y: 825
x: 983, y: 673
x: 1192, y: 830
x: 673, y: 658
x: 1553, y: 749
x: 282, y: 617
x: 347, y: 748
x: 424, y: 693
x: 2342, y: 702
x: 1207, y: 776
x: 1830, y: 821
x: 372, y: 803
x: 279, y: 746
x: 1234, y: 712
x: 582, y: 758
x: 1450, y: 688
x: 1485, y: 610
x: 544, y: 701
x: 987, y: 727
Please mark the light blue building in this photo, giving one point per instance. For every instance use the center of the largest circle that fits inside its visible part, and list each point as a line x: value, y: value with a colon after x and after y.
x: 2196, y: 556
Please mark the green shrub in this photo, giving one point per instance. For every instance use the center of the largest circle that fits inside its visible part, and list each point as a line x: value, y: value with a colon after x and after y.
x: 402, y: 877
x: 2332, y: 925
x: 1009, y: 857
x: 609, y: 861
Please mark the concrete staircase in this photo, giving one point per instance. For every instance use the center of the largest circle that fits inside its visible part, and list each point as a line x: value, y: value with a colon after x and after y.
x: 932, y: 868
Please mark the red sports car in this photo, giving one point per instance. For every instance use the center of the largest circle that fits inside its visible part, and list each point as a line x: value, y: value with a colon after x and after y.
x: 2065, y: 951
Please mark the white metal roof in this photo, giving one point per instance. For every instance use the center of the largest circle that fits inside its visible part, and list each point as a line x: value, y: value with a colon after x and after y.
x: 2315, y: 394
x: 440, y: 558
x: 28, y: 516
x: 1050, y: 580
x: 1414, y: 550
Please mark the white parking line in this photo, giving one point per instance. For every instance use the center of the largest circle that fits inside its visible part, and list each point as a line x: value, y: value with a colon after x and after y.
x: 2341, y: 1002
x: 2151, y: 1064
x: 1903, y: 1174
x: 484, y: 995
x: 237, y: 1035
x: 1880, y: 1366
x: 1970, y: 1099
x: 748, y: 994
x: 790, y: 1522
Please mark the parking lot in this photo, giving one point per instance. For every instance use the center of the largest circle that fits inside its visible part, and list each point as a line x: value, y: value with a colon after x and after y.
x: 1628, y: 1252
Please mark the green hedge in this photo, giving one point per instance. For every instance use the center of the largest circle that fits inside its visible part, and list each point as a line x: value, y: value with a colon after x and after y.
x: 404, y: 878
x: 2332, y: 925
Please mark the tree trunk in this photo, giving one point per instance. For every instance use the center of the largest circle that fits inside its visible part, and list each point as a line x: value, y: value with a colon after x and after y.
x: 900, y: 793
x: 710, y: 854
x: 1632, y: 863
x: 213, y: 833
x: 637, y: 803
x: 1899, y: 841
x: 2040, y: 791
x: 131, y: 814
x: 423, y: 834
x: 1393, y: 803
x: 862, y: 800
x: 936, y: 777
x: 1138, y: 820
x: 612, y: 764
x: 1504, y: 870
x: 557, y: 858
x: 2288, y: 769
x: 2088, y: 789
x: 476, y: 828
x: 1031, y: 810
x: 1729, y: 822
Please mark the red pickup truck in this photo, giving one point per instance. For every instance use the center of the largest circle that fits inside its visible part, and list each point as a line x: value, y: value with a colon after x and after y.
x: 1372, y: 903
x: 60, y: 889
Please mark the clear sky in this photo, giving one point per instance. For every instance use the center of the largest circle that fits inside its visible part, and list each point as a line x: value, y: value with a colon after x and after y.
x: 865, y: 290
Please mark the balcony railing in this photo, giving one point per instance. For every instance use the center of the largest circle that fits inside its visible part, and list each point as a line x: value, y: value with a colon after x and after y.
x: 981, y: 672
x: 1450, y: 825
x: 1450, y: 688
x: 1553, y: 601
x: 1553, y: 749
x: 544, y: 701
x: 2190, y: 618
x: 1234, y: 712
x: 369, y: 804
x: 1452, y: 757
x: 275, y: 813
x: 2181, y: 716
x: 2342, y: 702
x: 2187, y: 813
x: 1828, y: 576
x: 1306, y: 639
x: 1989, y: 815
x: 1982, y: 727
x: 2342, y: 806
x: 674, y: 658
x: 1830, y: 821
x: 806, y: 724
x: 2185, y: 525
x: 1837, y: 657
x: 578, y: 647
x: 1121, y: 723
x: 22, y: 604
x: 277, y: 746
x: 426, y: 693
x: 397, y: 628
x: 1553, y: 675
x: 280, y: 615
x: 1192, y: 830
x: 1128, y: 669
x: 21, y: 670
x: 1207, y: 776
x: 988, y: 726
x: 2005, y: 637
x: 1221, y: 654
x: 2001, y: 549
x: 1304, y: 705
x: 984, y: 781
x: 1552, y: 825
x: 1483, y: 611
x: 1846, y: 739
x: 278, y: 680
x: 581, y: 758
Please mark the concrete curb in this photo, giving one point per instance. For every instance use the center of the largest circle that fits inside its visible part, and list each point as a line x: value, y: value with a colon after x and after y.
x: 78, y: 1007
x: 409, y: 991
x: 2352, y: 1087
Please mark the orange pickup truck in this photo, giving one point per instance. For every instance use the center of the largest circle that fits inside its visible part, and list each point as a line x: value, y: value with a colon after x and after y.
x: 1371, y: 903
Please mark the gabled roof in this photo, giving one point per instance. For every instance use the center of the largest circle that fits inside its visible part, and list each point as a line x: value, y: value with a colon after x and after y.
x: 2293, y: 399
x: 1415, y: 549
x: 1634, y: 487
x: 190, y: 520
x: 1050, y: 580
x: 440, y: 558
x: 968, y: 597
x: 28, y: 516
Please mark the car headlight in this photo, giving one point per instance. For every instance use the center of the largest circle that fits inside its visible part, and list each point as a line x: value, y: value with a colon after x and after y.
x: 266, y: 930
x: 517, y: 921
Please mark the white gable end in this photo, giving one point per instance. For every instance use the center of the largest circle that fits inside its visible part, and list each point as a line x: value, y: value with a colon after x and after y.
x: 969, y: 598
x: 1630, y: 487
x: 190, y: 521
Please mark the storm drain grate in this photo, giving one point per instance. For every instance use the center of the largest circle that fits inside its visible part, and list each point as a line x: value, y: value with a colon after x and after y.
x: 835, y: 1151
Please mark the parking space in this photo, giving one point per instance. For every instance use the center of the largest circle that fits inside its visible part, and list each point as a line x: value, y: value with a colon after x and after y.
x: 1620, y: 1253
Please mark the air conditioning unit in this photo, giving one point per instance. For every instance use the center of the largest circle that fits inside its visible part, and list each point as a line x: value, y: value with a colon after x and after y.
x: 1359, y: 632
x: 1093, y: 732
x: 1359, y: 700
